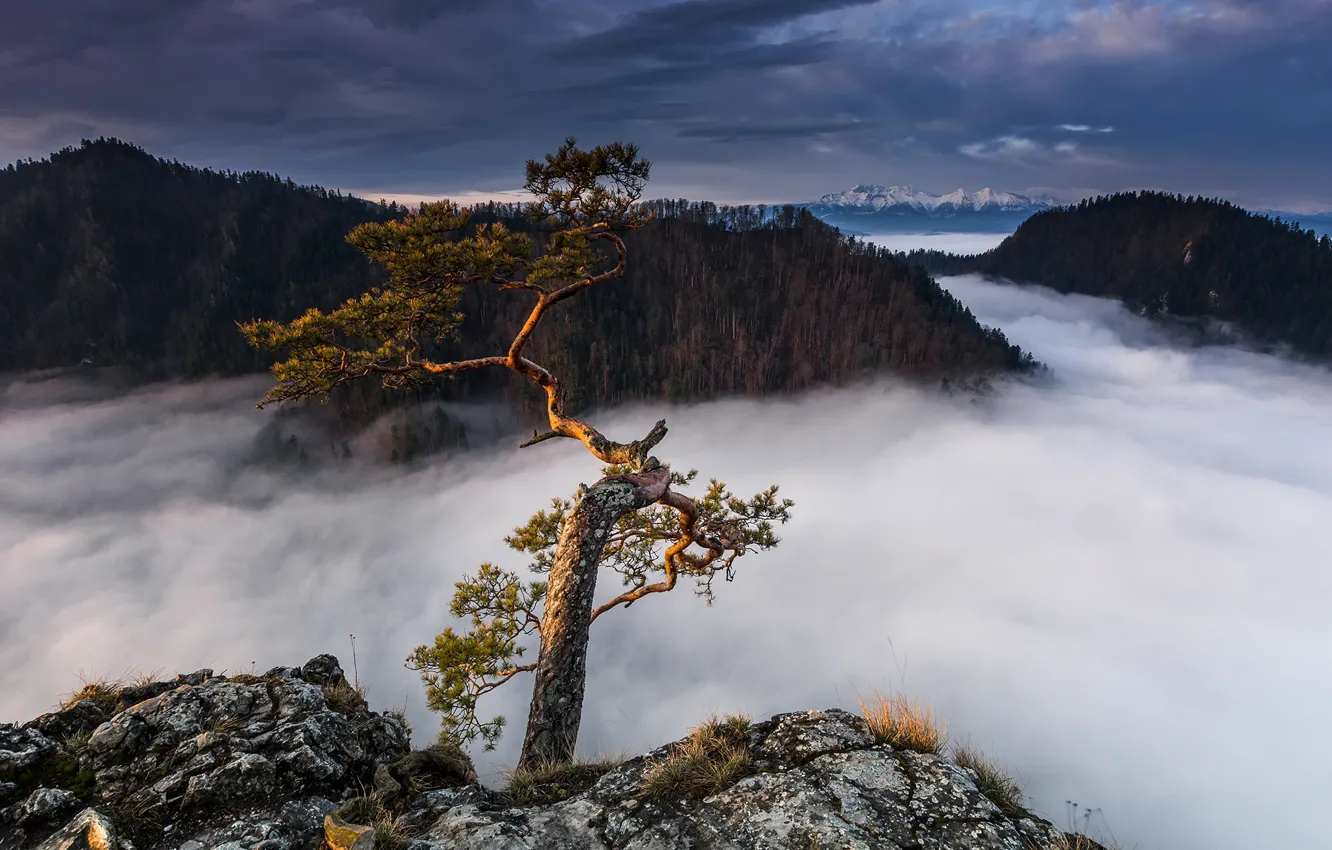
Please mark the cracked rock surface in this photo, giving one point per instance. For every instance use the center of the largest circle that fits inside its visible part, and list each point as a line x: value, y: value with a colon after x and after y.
x: 270, y: 762
x: 820, y: 781
x: 250, y: 762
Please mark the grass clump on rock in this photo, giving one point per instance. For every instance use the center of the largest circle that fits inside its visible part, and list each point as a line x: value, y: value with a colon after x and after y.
x: 993, y: 781
x: 905, y: 724
x: 391, y: 831
x: 713, y: 757
x: 347, y: 698
x: 553, y: 782
x: 105, y: 694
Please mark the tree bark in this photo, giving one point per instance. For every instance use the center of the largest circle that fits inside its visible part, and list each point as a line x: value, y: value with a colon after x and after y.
x: 561, y: 671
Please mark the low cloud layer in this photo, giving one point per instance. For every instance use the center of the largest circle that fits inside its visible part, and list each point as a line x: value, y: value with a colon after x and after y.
x: 1115, y: 581
x: 953, y: 243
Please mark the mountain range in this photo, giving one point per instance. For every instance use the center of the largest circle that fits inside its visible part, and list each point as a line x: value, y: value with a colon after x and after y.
x: 111, y: 257
x: 1320, y: 222
x: 871, y: 208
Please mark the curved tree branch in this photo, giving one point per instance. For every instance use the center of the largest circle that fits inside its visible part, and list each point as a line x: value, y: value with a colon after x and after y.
x: 500, y: 678
x: 690, y: 534
x: 634, y: 454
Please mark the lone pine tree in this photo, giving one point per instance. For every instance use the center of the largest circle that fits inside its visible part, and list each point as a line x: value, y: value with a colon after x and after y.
x: 632, y: 519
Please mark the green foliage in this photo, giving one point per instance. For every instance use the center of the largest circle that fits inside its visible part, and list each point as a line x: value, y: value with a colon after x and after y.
x: 635, y: 550
x: 571, y: 187
x: 459, y: 668
x: 386, y: 327
x: 392, y: 331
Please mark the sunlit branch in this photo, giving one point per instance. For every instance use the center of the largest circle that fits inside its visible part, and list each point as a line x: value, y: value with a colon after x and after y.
x: 500, y: 678
x: 561, y: 425
x: 675, y: 553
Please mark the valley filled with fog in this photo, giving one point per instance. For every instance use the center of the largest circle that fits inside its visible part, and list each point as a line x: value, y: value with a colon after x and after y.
x: 953, y: 243
x: 1112, y: 578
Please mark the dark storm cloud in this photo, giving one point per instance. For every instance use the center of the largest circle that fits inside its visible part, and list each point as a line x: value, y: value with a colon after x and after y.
x: 677, y: 75
x: 693, y: 28
x: 407, y: 95
x: 739, y: 132
x: 405, y: 14
x: 65, y: 26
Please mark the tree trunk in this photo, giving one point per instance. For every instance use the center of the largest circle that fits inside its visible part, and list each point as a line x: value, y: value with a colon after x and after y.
x: 561, y: 672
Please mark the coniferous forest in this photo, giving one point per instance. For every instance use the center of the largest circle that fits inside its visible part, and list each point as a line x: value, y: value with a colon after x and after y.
x: 1169, y: 255
x: 112, y: 257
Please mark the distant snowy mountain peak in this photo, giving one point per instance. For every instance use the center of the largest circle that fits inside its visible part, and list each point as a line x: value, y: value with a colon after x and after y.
x: 873, y: 198
x: 870, y: 207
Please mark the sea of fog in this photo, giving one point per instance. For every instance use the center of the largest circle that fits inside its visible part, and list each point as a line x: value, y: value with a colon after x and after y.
x: 1114, y: 581
x: 953, y: 243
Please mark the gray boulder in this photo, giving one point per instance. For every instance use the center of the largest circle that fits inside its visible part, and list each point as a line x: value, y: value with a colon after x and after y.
x: 90, y: 830
x: 200, y: 761
x: 45, y: 805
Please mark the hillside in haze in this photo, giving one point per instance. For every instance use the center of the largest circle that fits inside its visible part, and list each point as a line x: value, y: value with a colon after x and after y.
x: 112, y: 257
x: 1166, y: 255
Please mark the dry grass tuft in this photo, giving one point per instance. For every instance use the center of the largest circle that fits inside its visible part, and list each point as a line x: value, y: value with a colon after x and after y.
x: 104, y: 693
x: 905, y: 723
x: 552, y: 783
x: 246, y: 679
x: 140, y: 680
x: 346, y: 698
x: 996, y: 784
x: 391, y: 832
x: 1069, y: 841
x: 78, y: 740
x: 713, y: 757
x: 226, y: 725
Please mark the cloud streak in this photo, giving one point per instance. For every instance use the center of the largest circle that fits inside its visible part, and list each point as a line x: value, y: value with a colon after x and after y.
x: 1110, y: 580
x: 403, y: 96
x: 1029, y: 153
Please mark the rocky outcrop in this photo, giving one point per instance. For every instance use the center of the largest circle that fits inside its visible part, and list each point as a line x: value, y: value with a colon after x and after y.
x: 818, y: 779
x: 294, y: 760
x: 202, y: 761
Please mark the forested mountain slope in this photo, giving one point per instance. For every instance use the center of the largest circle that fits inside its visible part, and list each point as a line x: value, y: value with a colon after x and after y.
x: 110, y: 256
x: 1169, y: 255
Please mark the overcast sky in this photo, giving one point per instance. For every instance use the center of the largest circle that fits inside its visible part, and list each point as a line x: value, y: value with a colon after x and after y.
x: 734, y: 100
x: 1115, y: 582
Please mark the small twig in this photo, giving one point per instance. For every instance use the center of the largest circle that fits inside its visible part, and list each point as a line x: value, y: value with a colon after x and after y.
x: 541, y: 438
x: 356, y: 676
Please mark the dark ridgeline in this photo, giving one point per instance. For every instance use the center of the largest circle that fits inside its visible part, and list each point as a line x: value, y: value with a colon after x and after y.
x: 111, y: 255
x: 1170, y: 255
x: 744, y: 301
